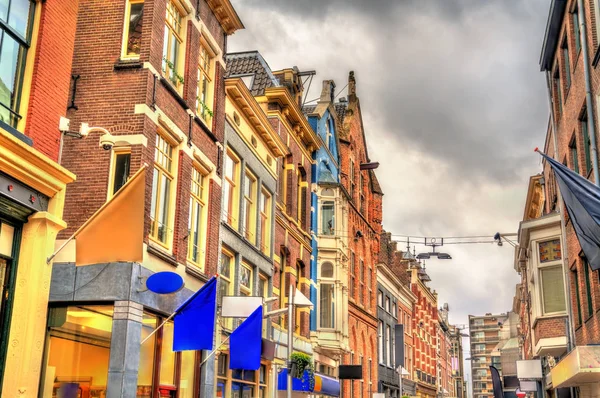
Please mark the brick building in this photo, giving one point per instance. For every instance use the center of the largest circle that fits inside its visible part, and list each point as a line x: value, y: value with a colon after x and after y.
x: 569, y: 60
x: 444, y: 354
x: 36, y: 44
x: 425, y: 333
x: 393, y: 282
x: 279, y: 94
x: 151, y: 83
x: 364, y: 230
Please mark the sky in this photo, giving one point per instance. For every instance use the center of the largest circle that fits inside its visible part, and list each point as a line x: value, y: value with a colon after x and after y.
x: 453, y: 105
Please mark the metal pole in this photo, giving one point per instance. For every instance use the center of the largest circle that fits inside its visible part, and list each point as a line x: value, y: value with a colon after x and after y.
x: 290, y: 339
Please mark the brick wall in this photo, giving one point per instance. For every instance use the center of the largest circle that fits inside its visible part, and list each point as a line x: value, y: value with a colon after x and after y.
x: 108, y: 91
x: 51, y: 74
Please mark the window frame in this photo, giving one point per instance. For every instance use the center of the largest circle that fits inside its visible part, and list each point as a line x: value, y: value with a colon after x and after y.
x: 171, y: 174
x: 200, y: 199
x: 23, y: 67
x: 545, y: 266
x: 208, y: 72
x: 584, y: 120
x: 246, y: 290
x: 566, y: 62
x: 574, y: 154
x: 126, y: 25
x: 178, y: 60
x: 352, y: 289
x: 266, y: 205
x: 115, y: 153
x: 331, y: 303
x: 324, y: 231
x: 232, y: 198
x: 250, y: 200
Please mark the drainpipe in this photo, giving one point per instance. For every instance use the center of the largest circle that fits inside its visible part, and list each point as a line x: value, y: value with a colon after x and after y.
x: 588, y: 91
x: 566, y: 278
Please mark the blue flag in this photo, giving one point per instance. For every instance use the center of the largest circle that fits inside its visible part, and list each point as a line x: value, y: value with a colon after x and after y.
x: 245, y: 343
x: 582, y: 199
x: 194, y: 322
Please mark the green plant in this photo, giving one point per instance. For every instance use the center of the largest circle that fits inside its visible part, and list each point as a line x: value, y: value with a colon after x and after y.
x: 303, y: 363
x: 174, y: 76
x: 204, y: 107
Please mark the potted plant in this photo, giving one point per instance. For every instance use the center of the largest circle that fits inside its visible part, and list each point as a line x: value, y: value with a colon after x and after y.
x: 301, y: 363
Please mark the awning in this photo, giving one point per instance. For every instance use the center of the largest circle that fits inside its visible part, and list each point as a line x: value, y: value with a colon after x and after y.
x: 324, y: 385
x: 582, y: 365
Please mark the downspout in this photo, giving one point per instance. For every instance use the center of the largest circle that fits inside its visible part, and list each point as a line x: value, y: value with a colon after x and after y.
x: 588, y: 91
x: 566, y: 278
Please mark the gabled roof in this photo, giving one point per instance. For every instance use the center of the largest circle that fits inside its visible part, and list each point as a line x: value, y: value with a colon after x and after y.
x: 251, y: 64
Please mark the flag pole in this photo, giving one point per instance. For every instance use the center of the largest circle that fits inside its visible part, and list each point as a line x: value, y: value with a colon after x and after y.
x: 210, y: 354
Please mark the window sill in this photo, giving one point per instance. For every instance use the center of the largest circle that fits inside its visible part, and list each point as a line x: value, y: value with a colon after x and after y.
x: 162, y: 254
x: 16, y: 133
x: 195, y: 271
x: 123, y: 64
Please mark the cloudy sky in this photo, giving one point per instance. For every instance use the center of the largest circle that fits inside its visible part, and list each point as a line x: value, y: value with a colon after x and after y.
x: 453, y: 104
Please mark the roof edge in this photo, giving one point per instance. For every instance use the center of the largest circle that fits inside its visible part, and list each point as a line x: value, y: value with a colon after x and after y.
x: 555, y: 16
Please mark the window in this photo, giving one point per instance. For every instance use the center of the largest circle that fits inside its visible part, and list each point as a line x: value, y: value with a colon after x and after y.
x: 327, y: 270
x: 327, y: 302
x: 132, y: 31
x: 169, y: 368
x: 362, y: 193
x: 204, y: 92
x: 557, y: 91
x: 573, y: 150
x: 231, y: 189
x: 361, y: 293
x: 282, y: 181
x: 301, y: 187
x: 162, y: 185
x: 387, y: 304
x: 79, y: 348
x: 552, y: 286
x: 327, y: 217
x: 586, y: 142
x: 576, y: 31
x: 352, y: 275
x: 380, y: 341
x: 265, y: 222
x: 588, y: 288
x: 119, y: 173
x: 369, y: 285
x: 380, y: 298
x: 246, y: 277
x: 173, y: 44
x: 249, y: 220
x: 352, y: 181
x: 567, y: 65
x: 394, y: 310
x: 263, y: 291
x: 226, y: 286
x: 240, y: 383
x: 388, y: 345
x: 16, y: 26
x: 197, y: 223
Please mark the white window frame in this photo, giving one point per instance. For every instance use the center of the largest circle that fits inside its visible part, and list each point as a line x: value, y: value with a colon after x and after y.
x: 542, y: 266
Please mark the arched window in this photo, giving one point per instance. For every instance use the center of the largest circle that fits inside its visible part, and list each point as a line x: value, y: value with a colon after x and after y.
x: 327, y: 270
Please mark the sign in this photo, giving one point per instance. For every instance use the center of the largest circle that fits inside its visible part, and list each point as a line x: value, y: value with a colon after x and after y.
x: 399, y: 347
x: 165, y: 282
x: 350, y: 372
x: 530, y: 369
x: 240, y: 306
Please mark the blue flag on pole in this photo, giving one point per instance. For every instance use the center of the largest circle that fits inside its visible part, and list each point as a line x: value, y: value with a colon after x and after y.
x: 194, y: 321
x: 245, y: 343
x: 582, y: 199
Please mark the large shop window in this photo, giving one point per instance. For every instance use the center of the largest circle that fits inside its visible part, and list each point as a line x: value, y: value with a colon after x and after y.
x: 240, y: 383
x: 162, y: 372
x: 162, y: 185
x: 78, y: 350
x: 551, y: 275
x: 16, y: 26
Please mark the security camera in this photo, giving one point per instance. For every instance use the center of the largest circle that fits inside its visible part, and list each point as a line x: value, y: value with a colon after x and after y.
x: 107, y: 142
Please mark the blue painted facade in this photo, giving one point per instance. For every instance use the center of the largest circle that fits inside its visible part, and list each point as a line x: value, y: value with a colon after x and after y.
x: 325, y: 171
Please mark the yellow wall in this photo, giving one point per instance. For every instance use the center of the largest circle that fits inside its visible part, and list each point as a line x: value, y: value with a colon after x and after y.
x: 32, y: 287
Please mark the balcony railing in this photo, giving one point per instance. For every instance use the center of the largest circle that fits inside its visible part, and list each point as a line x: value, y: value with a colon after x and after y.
x: 487, y: 326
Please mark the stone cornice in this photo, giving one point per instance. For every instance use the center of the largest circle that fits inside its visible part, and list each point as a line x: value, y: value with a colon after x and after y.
x: 226, y: 15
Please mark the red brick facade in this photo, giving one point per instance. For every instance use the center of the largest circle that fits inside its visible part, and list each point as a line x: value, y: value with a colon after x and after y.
x: 51, y: 74
x: 126, y: 98
x: 364, y: 230
x: 569, y: 111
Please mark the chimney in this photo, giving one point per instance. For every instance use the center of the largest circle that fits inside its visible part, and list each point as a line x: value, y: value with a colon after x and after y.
x: 351, y: 87
x: 328, y: 91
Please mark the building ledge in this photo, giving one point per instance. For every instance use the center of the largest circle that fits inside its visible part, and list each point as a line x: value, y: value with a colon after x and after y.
x: 582, y: 365
x: 553, y: 346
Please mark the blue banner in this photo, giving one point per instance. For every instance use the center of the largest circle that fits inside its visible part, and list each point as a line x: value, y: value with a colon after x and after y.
x: 582, y: 200
x: 194, y: 322
x: 245, y: 343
